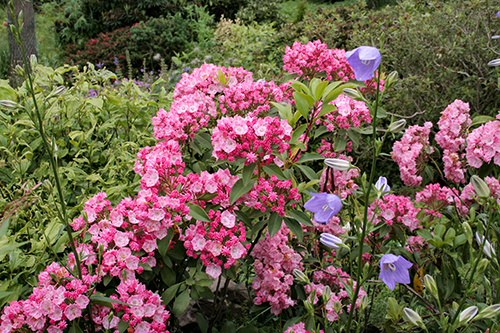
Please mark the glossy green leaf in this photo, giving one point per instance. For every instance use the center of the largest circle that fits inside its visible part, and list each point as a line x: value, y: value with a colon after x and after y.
x: 239, y: 189
x: 181, y: 303
x: 274, y: 224
x: 198, y: 213
x: 301, y: 217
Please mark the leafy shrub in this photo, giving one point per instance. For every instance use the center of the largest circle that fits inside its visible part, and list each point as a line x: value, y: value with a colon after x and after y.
x: 146, y: 42
x: 261, y: 11
x: 97, y: 127
x: 441, y: 50
x: 248, y: 46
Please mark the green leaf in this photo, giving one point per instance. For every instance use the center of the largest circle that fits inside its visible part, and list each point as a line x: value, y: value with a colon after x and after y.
x: 300, y: 87
x: 75, y: 328
x: 295, y: 227
x: 204, y: 139
x: 122, y: 326
x: 105, y: 301
x: 320, y: 89
x: 248, y: 172
x: 302, y: 103
x: 301, y: 217
x: 169, y: 294
x: 239, y: 189
x: 181, y: 303
x: 326, y: 108
x: 340, y: 144
x: 273, y: 169
x: 308, y: 172
x: 4, y: 227
x: 298, y: 132
x: 198, y: 213
x: 478, y: 120
x: 310, y: 157
x: 202, y: 322
x: 274, y: 224
x: 334, y: 93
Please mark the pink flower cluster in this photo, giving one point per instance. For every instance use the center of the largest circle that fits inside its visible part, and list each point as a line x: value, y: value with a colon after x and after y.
x: 271, y: 195
x: 469, y: 195
x: 337, y: 280
x: 274, y: 263
x: 315, y: 57
x: 415, y: 244
x: 348, y: 113
x: 255, y: 139
x: 60, y: 298
x: 194, y: 103
x: 412, y: 152
x: 217, y: 242
x: 253, y: 98
x: 453, y: 126
x: 483, y: 144
x: 298, y: 328
x: 394, y: 209
x: 437, y: 198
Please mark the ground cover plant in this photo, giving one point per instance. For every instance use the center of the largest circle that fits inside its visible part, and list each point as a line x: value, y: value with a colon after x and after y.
x: 254, y: 182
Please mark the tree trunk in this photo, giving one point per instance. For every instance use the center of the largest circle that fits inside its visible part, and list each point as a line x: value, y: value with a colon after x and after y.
x: 28, y: 37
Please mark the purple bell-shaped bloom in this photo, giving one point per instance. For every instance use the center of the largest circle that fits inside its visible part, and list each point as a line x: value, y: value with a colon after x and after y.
x: 382, y: 186
x: 394, y: 269
x: 324, y: 206
x: 364, y: 61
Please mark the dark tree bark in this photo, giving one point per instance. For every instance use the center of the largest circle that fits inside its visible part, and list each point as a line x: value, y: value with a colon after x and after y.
x: 28, y: 37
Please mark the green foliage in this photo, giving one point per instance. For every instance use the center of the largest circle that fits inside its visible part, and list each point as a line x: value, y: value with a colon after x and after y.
x: 261, y: 12
x: 248, y: 46
x: 96, y: 127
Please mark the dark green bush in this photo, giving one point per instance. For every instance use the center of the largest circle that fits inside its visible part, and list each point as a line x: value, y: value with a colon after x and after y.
x: 441, y: 50
x: 146, y: 43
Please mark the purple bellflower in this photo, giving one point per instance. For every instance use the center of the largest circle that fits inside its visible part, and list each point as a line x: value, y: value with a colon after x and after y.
x: 330, y: 240
x: 364, y: 61
x: 394, y: 269
x: 498, y: 14
x: 324, y: 206
x: 382, y: 187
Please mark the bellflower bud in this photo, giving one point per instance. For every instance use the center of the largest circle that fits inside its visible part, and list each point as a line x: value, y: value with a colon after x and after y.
x: 487, y: 249
x: 494, y: 63
x: 467, y: 231
x: 467, y: 314
x: 300, y: 276
x: 8, y: 104
x: 327, y: 294
x: 430, y: 284
x: 489, y: 313
x: 481, y: 188
x: 391, y: 79
x: 337, y: 306
x: 413, y: 317
x: 338, y: 164
x: 309, y: 307
x: 364, y: 302
x: 397, y: 126
x: 354, y: 94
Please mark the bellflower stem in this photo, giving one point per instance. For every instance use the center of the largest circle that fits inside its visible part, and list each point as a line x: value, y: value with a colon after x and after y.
x: 365, y: 217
